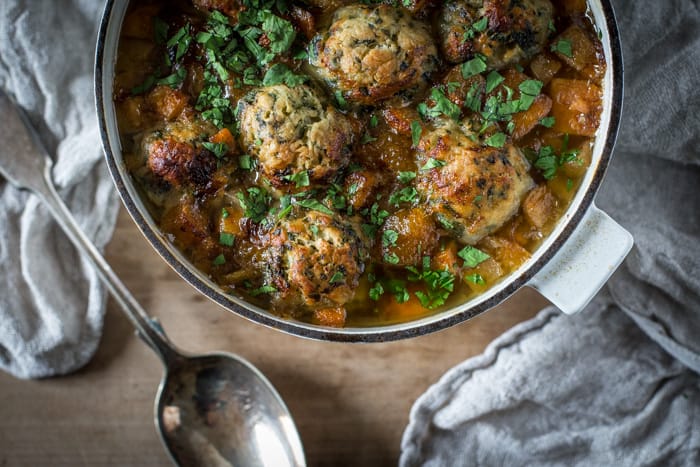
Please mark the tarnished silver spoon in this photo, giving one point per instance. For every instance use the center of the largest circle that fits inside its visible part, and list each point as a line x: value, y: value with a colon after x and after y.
x: 214, y: 409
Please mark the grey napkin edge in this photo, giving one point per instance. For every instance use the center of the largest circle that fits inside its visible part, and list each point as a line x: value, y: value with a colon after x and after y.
x: 416, y: 430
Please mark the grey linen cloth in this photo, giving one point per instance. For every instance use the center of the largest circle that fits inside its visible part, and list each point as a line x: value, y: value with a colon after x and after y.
x: 52, y: 303
x: 617, y: 384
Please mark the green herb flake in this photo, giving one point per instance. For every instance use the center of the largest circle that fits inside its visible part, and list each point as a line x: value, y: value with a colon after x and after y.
x: 548, y: 122
x: 406, y: 177
x: 314, y: 205
x: 432, y: 164
x: 472, y: 256
x: 300, y: 179
x: 475, y: 279
x: 416, y: 130
x: 226, y: 239
x: 474, y: 67
x: 563, y: 46
x: 218, y: 149
x: 265, y: 289
x: 497, y: 140
x: 389, y: 238
x: 340, y: 99
x: 337, y: 278
x: 493, y: 79
x: 281, y: 73
x: 391, y: 258
x: 219, y: 260
x: 376, y: 291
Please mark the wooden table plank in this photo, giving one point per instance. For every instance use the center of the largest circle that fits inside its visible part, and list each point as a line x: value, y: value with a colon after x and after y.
x: 350, y: 402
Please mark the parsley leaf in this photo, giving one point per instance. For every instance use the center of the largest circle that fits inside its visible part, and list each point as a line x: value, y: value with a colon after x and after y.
x: 472, y: 256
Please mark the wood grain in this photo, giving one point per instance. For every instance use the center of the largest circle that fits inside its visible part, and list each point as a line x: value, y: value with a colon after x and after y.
x: 350, y: 401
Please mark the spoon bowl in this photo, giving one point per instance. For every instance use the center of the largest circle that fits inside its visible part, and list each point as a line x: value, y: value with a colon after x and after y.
x: 219, y: 410
x: 215, y: 409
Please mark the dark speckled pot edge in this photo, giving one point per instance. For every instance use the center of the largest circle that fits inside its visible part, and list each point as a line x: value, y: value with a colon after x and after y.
x: 377, y: 334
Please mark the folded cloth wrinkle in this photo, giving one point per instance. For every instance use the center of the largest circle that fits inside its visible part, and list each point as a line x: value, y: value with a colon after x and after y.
x: 619, y: 383
x: 52, y: 322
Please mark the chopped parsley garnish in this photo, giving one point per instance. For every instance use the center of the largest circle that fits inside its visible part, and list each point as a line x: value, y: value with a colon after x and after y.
x: 478, y: 26
x: 497, y: 140
x: 219, y: 260
x: 219, y: 149
x: 563, y: 46
x: 246, y: 162
x: 376, y: 216
x: 265, y: 289
x: 475, y: 279
x: 432, y: 164
x: 256, y: 203
x: 472, y: 256
x: 416, y: 130
x: 376, y: 291
x: 391, y: 258
x: 493, y: 79
x: 474, y: 66
x: 367, y: 138
x: 342, y: 103
x: 405, y: 195
x: 300, y: 179
x: 406, y: 177
x: 389, y: 238
x: 224, y: 213
x: 442, y: 106
x: 547, y: 161
x: 548, y: 122
x: 280, y: 73
x: 337, y: 278
x: 373, y: 121
x: 439, y: 284
x: 314, y: 205
x: 226, y: 239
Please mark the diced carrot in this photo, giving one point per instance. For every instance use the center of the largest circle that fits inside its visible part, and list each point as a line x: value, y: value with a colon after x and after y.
x: 333, y: 317
x: 360, y: 187
x: 167, y: 102
x: 224, y: 136
x: 509, y: 255
x: 394, y: 311
x: 539, y: 206
x: 446, y: 258
x: 576, y: 106
x: 585, y: 56
x: 544, y: 67
x: 483, y: 276
x: 138, y: 24
x: 527, y: 120
x: 131, y: 114
x: 576, y: 168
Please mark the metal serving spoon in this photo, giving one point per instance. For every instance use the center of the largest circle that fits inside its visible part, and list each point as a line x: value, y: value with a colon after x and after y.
x: 214, y: 409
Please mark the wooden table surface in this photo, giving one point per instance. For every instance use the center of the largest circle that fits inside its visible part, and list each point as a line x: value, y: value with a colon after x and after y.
x: 350, y: 401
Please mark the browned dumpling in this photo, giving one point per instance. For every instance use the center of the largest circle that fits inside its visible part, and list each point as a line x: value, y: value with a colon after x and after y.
x: 504, y: 31
x: 370, y: 53
x: 290, y: 131
x: 174, y: 152
x: 472, y: 189
x: 315, y: 259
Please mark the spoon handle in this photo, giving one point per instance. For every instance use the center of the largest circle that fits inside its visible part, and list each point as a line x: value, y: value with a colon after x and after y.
x: 147, y: 329
x: 25, y: 162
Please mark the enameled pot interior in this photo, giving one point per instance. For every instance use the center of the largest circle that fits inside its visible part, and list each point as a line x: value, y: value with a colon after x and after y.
x: 108, y: 39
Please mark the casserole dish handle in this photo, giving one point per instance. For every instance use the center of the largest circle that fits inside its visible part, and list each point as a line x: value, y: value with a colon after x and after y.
x: 584, y: 263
